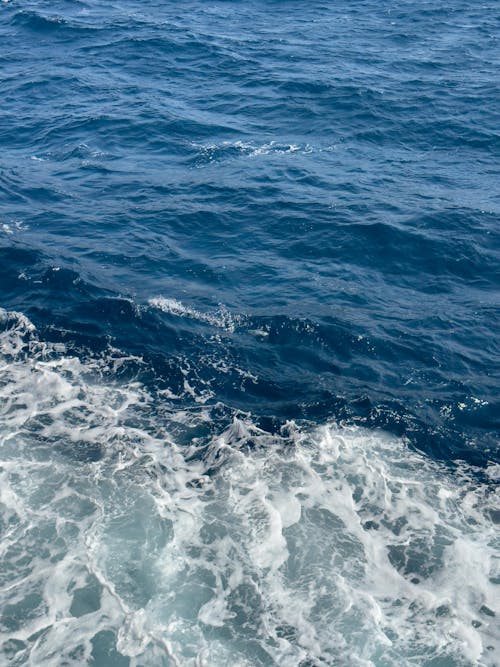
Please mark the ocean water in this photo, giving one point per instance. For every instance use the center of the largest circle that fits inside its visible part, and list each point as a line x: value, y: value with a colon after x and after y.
x: 249, y: 333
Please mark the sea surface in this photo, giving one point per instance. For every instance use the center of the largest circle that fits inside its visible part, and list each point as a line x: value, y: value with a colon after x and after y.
x: 249, y: 333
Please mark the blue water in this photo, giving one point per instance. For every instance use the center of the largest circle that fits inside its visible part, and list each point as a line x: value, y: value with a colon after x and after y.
x: 249, y: 362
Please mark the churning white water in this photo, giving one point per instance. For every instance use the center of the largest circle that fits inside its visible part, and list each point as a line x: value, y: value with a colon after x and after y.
x: 328, y: 545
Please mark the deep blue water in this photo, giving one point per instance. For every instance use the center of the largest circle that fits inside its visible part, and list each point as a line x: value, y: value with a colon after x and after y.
x: 240, y: 221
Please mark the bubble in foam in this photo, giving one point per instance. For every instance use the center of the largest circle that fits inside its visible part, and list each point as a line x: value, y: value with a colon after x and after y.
x: 317, y: 546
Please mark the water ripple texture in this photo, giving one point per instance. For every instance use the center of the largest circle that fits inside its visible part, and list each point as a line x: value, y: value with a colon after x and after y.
x: 249, y: 316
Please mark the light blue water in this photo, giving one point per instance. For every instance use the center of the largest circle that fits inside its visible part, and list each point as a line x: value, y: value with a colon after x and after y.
x: 249, y: 280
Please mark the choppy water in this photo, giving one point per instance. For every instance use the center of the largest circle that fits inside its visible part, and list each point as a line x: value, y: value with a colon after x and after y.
x: 249, y: 359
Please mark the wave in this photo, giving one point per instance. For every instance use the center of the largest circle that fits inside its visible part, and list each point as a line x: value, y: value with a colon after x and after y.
x: 42, y: 23
x: 136, y: 529
x: 210, y: 153
x: 220, y: 318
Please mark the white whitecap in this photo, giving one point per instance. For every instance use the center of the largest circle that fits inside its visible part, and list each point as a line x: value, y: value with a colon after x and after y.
x: 220, y: 318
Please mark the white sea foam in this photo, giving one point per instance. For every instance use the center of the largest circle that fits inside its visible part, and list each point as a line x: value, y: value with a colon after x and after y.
x: 318, y: 546
x: 220, y: 318
x: 227, y: 149
x: 12, y: 226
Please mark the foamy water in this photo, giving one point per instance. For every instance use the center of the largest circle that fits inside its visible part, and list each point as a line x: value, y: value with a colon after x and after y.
x: 319, y: 545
